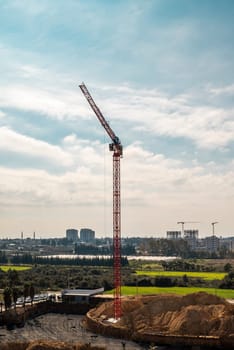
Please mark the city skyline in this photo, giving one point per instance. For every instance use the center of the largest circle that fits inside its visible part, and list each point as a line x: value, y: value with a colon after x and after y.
x: 162, y: 74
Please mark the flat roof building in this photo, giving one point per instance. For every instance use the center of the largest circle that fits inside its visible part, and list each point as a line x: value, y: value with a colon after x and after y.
x: 74, y: 296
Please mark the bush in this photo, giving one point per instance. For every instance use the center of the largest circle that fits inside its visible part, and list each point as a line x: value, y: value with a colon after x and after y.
x: 164, y: 282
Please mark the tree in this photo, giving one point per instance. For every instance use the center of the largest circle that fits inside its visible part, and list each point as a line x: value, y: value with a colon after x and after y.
x: 185, y: 279
x: 163, y: 281
x: 7, y: 297
x: 228, y: 281
x: 15, y: 294
x: 13, y: 277
x: 3, y: 258
x: 227, y: 267
x: 31, y: 292
x: 26, y: 292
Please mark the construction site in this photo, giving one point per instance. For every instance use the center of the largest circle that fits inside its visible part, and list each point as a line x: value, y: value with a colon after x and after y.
x: 198, y: 320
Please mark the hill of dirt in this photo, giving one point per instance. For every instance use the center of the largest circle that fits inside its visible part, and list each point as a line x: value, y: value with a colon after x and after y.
x: 194, y: 314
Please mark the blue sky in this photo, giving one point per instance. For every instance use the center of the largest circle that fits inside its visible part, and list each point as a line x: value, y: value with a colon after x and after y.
x: 162, y: 73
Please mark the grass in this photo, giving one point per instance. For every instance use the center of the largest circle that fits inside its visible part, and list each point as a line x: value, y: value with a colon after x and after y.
x: 5, y: 268
x: 223, y: 293
x: 204, y: 275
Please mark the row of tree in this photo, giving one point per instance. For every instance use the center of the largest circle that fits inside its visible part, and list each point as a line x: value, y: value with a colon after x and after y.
x: 10, y: 295
x: 3, y: 257
x: 185, y: 265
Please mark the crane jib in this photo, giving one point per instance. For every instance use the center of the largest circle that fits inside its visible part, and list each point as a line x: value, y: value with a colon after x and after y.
x: 100, y: 116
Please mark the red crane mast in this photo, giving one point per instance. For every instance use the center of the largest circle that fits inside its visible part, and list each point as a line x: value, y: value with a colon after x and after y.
x: 117, y: 149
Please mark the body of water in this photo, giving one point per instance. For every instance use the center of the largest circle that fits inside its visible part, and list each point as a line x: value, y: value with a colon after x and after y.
x: 130, y: 257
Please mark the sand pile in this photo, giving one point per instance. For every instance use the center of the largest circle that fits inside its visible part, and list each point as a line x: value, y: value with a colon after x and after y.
x: 194, y: 314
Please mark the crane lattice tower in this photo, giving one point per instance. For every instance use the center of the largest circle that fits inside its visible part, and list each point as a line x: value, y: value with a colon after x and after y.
x: 117, y: 149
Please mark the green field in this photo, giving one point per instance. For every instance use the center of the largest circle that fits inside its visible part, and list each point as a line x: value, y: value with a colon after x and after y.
x: 5, y: 268
x: 223, y: 293
x: 204, y: 275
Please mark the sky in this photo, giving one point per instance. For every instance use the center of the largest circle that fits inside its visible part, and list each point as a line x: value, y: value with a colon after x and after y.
x: 162, y: 73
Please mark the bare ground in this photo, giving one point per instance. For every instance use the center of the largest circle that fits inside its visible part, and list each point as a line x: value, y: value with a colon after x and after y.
x: 63, y: 328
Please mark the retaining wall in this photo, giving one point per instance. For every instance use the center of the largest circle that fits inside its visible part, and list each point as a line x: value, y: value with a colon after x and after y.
x: 20, y: 315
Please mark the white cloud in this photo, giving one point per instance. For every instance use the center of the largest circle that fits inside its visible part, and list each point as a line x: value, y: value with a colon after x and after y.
x: 149, y: 110
x: 32, y: 71
x: 11, y: 141
x: 90, y: 154
x: 225, y: 90
x: 32, y: 8
x: 56, y: 103
x: 153, y: 174
x: 37, y: 188
x: 2, y: 115
x: 145, y: 177
x: 152, y: 111
x: 156, y: 191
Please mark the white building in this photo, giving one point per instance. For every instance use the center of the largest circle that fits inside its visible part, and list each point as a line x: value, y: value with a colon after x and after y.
x: 74, y: 296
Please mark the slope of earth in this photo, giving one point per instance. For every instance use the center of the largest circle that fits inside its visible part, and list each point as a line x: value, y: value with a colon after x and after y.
x: 198, y: 314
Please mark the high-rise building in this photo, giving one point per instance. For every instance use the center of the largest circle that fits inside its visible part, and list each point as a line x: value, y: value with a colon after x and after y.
x: 212, y: 243
x: 72, y: 234
x: 228, y: 243
x: 87, y: 235
x: 191, y: 236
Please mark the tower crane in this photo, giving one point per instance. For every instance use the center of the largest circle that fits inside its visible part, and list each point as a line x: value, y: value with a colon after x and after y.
x: 213, y: 227
x: 185, y: 222
x: 116, y: 147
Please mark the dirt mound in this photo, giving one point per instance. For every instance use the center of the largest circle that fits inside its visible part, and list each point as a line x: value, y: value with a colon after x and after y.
x: 14, y: 346
x: 194, y: 314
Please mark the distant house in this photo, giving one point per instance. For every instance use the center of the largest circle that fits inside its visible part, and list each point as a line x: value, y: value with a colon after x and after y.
x: 75, y: 296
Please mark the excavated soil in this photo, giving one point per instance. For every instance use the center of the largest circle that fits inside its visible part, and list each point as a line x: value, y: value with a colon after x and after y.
x: 194, y: 315
x: 198, y: 314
